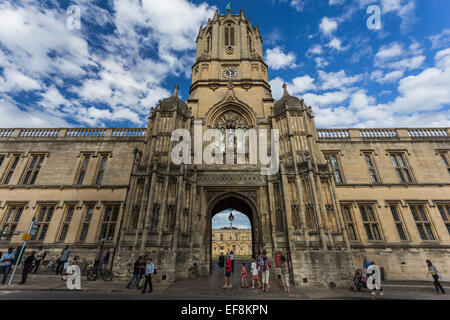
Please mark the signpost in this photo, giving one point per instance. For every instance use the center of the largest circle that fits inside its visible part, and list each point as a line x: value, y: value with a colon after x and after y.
x: 31, y: 231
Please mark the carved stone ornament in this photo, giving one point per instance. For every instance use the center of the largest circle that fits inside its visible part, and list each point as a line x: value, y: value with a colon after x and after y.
x: 229, y: 50
x: 231, y: 120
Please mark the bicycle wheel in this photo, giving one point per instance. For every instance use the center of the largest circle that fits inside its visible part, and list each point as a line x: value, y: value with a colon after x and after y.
x: 107, y: 275
x: 90, y: 275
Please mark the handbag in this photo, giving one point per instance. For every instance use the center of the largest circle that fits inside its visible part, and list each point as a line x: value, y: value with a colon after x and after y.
x: 154, y: 272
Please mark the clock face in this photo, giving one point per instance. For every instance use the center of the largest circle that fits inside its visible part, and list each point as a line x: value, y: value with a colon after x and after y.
x: 230, y: 73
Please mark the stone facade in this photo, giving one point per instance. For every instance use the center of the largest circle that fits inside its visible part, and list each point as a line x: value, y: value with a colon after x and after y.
x: 339, y: 194
x: 228, y: 239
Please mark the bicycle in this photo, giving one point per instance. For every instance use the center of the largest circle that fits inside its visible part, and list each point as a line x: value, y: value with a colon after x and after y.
x: 48, y: 265
x: 94, y: 273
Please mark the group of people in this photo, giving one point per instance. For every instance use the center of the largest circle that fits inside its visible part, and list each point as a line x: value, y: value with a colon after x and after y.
x: 143, y: 271
x: 32, y: 261
x: 259, y: 270
x: 371, y: 276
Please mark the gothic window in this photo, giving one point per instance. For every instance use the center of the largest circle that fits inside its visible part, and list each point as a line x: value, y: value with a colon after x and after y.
x: 444, y: 210
x: 370, y: 222
x: 33, y: 167
x: 155, y: 218
x: 349, y: 221
x: 401, y: 167
x: 229, y: 35
x: 66, y: 222
x: 87, y: 219
x: 445, y: 160
x: 250, y: 42
x: 83, y: 168
x: 109, y: 221
x: 398, y: 221
x: 234, y: 121
x: 422, y: 222
x: 12, y: 166
x: 208, y: 43
x: 10, y: 222
x: 101, y: 169
x: 368, y: 157
x: 43, y: 219
x: 333, y: 159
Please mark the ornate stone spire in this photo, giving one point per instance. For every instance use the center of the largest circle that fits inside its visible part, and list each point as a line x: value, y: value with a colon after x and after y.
x: 175, y: 91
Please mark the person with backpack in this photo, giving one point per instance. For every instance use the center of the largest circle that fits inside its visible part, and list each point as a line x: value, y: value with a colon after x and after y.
x: 265, y: 272
x: 435, y: 274
x: 39, y: 258
x: 136, y: 273
x: 149, y: 271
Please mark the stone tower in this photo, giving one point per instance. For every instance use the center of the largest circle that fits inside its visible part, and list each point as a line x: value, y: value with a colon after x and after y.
x: 294, y: 212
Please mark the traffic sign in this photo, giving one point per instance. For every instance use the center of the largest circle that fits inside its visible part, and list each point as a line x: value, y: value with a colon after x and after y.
x: 34, y: 229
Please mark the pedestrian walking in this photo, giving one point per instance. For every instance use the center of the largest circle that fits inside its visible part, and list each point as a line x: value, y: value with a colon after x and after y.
x: 62, y: 260
x: 243, y: 276
x: 228, y: 283
x: 142, y: 273
x: 98, y: 256
x: 436, y: 275
x: 39, y: 258
x: 374, y: 271
x: 136, y: 273
x: 265, y: 272
x: 6, y: 262
x: 255, y: 271
x: 27, y: 266
x: 149, y: 270
x: 232, y: 260
x: 285, y: 274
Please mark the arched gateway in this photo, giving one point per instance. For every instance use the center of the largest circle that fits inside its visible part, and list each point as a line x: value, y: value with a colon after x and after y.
x: 292, y: 207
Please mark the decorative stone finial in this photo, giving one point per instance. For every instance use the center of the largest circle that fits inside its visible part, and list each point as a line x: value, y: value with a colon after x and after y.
x: 175, y: 92
x: 285, y: 93
x: 230, y: 85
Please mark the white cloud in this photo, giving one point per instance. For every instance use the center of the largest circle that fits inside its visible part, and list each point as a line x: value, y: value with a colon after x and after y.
x: 297, y: 86
x: 389, y: 51
x: 277, y: 59
x: 316, y: 49
x: 321, y: 62
x: 408, y: 63
x: 336, y: 44
x: 332, y: 80
x: 327, y: 26
x: 390, y: 77
x: 440, y: 40
x: 333, y: 2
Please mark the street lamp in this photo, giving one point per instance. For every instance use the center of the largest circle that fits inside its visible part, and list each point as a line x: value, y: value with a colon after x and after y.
x: 231, y: 217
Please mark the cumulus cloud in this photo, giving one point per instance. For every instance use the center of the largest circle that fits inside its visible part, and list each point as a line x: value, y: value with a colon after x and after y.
x: 277, y: 59
x: 327, y: 26
x: 332, y: 80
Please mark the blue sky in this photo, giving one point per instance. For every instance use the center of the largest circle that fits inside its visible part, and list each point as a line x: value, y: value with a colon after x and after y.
x: 128, y: 54
x: 240, y: 220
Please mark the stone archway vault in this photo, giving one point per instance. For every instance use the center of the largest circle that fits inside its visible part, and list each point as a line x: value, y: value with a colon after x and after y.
x: 237, y: 201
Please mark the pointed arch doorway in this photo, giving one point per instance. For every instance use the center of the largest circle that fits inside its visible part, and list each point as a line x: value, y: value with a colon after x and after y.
x: 241, y: 203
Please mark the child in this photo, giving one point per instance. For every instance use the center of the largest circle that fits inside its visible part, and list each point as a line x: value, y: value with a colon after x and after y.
x: 255, y: 271
x: 243, y: 275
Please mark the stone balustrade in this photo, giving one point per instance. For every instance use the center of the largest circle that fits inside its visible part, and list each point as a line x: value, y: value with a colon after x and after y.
x: 73, y: 133
x: 381, y: 133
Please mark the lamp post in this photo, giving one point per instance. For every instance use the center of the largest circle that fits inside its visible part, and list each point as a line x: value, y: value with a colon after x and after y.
x: 231, y: 218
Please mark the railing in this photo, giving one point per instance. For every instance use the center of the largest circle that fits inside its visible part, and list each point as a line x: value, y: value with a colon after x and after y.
x: 354, y: 133
x: 333, y: 133
x: 5, y: 133
x: 378, y: 133
x: 132, y: 132
x: 73, y: 133
x: 39, y: 133
x: 85, y: 132
x: 428, y: 133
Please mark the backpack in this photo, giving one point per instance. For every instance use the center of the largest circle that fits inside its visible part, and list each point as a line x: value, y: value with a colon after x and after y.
x: 266, y: 264
x: 221, y: 261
